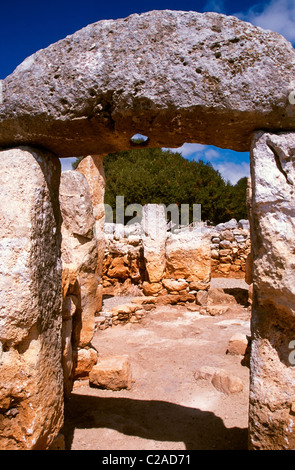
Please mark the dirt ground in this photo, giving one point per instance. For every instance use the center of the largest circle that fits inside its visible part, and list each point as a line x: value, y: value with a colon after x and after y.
x: 166, y: 407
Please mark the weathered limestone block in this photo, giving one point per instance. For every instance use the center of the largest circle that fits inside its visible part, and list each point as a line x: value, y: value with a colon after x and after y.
x: 84, y: 360
x: 174, y: 285
x: 197, y: 77
x: 220, y: 379
x: 76, y: 207
x: 82, y: 292
x: 67, y: 355
x: 151, y: 288
x: 90, y: 306
x: 217, y: 296
x: 226, y: 383
x: 79, y: 248
x: 188, y: 256
x: 238, y: 344
x: 271, y: 424
x: 154, y: 234
x: 31, y: 376
x: 111, y: 373
x: 118, y: 269
x: 92, y: 168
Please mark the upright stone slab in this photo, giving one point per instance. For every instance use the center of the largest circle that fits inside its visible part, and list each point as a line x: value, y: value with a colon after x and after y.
x: 31, y: 379
x: 92, y: 168
x: 188, y: 256
x: 79, y: 249
x: 154, y: 234
x: 272, y: 387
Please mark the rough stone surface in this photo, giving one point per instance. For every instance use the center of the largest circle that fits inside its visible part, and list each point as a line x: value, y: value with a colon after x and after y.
x: 238, y: 344
x: 215, y: 310
x: 205, y: 373
x: 271, y: 423
x: 82, y: 293
x: 111, y: 373
x: 76, y: 205
x: 79, y: 248
x: 226, y: 383
x: 173, y: 76
x: 84, y: 361
x: 188, y: 256
x: 217, y: 296
x: 151, y: 288
x: 31, y: 383
x: 154, y: 234
x: 92, y: 168
x: 230, y: 247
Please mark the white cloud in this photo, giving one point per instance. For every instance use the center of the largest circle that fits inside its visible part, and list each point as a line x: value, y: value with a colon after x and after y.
x: 211, y: 154
x: 233, y: 171
x: 277, y: 15
x: 188, y: 150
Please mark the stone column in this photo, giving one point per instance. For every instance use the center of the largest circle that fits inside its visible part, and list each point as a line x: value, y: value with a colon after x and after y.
x: 31, y: 378
x: 92, y: 168
x: 80, y: 279
x: 272, y: 384
x: 154, y: 234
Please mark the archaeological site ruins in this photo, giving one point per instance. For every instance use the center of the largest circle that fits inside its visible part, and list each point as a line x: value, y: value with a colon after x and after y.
x: 174, y: 77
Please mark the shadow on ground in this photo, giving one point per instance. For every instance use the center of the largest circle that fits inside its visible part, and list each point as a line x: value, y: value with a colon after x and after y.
x: 152, y: 420
x: 241, y: 295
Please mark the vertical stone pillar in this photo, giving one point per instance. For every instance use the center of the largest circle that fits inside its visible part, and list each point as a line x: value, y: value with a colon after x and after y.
x: 272, y: 383
x: 154, y: 234
x: 92, y: 168
x: 80, y: 278
x: 31, y: 378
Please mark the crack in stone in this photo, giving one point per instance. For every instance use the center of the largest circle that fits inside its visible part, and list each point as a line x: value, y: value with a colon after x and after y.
x: 278, y: 162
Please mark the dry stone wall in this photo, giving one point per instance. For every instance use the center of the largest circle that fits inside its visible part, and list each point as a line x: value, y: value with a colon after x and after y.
x: 230, y: 248
x: 124, y: 264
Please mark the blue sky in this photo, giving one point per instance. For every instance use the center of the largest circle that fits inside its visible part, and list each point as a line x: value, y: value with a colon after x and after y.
x: 29, y: 25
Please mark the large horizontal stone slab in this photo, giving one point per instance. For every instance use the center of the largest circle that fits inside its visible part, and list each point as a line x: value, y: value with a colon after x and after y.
x: 173, y: 76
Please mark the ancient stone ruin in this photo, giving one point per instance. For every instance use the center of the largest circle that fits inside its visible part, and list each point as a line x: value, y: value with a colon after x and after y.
x: 124, y: 264
x: 175, y: 77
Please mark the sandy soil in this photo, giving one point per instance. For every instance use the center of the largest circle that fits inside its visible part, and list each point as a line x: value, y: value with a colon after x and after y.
x: 166, y: 408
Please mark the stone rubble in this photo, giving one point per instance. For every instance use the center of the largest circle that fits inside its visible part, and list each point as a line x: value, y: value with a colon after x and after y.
x: 221, y: 380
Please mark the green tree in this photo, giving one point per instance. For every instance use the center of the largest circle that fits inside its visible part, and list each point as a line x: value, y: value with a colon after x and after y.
x: 145, y: 176
x: 151, y: 175
x: 237, y: 198
x: 76, y: 162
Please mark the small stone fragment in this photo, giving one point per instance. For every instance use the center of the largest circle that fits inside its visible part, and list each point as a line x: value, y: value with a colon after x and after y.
x: 111, y: 373
x: 226, y: 383
x: 238, y: 344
